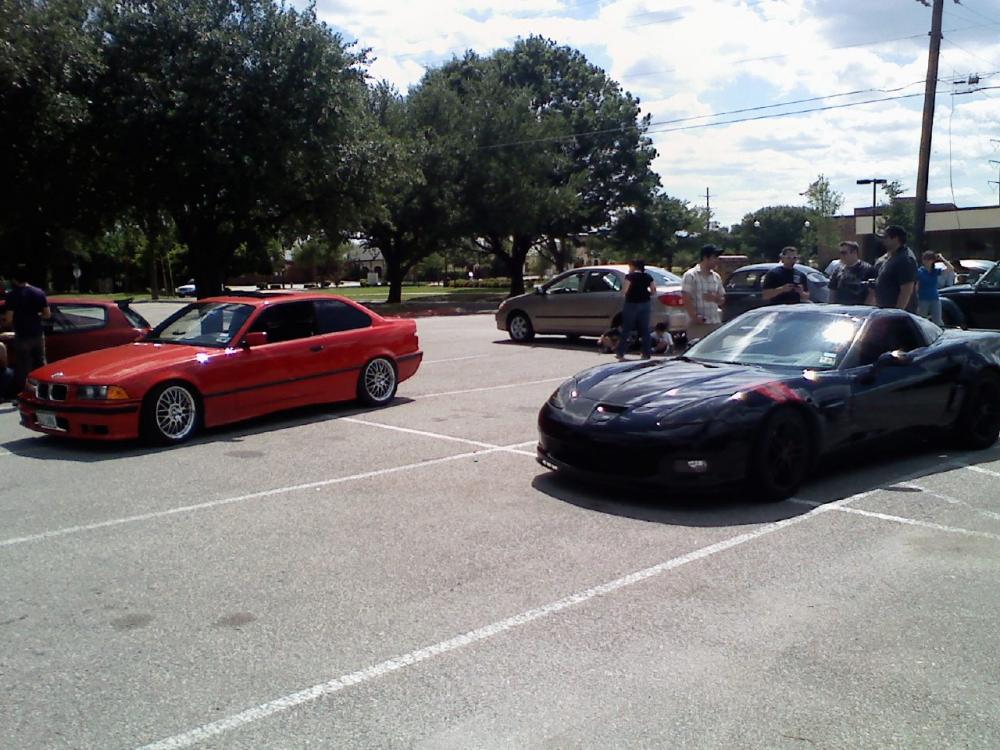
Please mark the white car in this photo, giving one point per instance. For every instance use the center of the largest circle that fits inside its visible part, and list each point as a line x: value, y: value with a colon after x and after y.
x: 187, y: 290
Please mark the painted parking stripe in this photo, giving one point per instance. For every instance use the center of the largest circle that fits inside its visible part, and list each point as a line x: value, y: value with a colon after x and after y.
x: 492, y: 387
x: 956, y: 501
x: 453, y: 359
x: 241, y: 498
x: 292, y: 700
x: 981, y: 470
x: 436, y: 435
x: 923, y: 524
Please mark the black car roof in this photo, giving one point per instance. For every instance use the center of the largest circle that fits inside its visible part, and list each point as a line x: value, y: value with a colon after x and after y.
x: 769, y: 266
x: 854, y: 311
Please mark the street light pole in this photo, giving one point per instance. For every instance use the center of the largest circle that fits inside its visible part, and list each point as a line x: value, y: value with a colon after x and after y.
x: 874, y: 182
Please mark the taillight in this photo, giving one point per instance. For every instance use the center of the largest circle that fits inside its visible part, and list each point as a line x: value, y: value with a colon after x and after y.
x: 672, y: 299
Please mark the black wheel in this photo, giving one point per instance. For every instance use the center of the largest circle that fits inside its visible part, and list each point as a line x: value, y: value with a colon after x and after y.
x: 781, y: 456
x: 171, y: 414
x: 978, y: 424
x: 519, y: 328
x: 378, y: 382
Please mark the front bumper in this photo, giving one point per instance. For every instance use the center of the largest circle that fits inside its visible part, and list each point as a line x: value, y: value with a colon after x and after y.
x: 703, y: 456
x: 99, y: 421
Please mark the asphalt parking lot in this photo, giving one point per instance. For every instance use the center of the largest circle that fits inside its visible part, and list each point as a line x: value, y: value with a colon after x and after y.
x: 411, y: 577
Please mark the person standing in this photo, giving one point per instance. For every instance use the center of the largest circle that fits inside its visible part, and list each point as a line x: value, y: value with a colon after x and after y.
x: 896, y: 273
x: 639, y: 289
x: 928, y: 299
x: 849, y: 281
x: 27, y: 307
x: 785, y: 284
x: 703, y: 292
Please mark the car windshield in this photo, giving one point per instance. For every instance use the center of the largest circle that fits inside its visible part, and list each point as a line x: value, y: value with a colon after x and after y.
x: 202, y: 324
x: 990, y: 279
x: 784, y: 337
x: 663, y: 278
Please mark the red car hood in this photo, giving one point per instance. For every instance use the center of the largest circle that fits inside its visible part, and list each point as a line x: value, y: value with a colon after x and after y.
x: 116, y: 365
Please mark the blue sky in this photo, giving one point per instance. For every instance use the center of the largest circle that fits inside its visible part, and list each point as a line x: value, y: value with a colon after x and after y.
x: 699, y: 57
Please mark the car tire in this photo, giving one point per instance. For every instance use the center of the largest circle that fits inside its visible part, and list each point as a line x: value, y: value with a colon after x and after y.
x: 171, y: 414
x: 519, y: 328
x: 978, y: 424
x: 781, y: 456
x: 378, y: 382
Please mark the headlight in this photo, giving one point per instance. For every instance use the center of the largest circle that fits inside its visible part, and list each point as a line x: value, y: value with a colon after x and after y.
x: 101, y: 392
x: 564, y: 394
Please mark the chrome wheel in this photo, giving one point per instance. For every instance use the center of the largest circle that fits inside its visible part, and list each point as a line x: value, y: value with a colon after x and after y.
x: 175, y: 413
x: 378, y: 382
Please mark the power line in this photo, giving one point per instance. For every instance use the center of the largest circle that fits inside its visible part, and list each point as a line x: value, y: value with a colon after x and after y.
x: 969, y: 52
x: 964, y: 4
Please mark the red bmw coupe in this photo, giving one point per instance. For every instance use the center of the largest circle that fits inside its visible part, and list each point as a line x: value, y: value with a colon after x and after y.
x: 222, y: 360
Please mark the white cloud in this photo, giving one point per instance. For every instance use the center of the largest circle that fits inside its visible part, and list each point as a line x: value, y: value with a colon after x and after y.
x: 694, y: 57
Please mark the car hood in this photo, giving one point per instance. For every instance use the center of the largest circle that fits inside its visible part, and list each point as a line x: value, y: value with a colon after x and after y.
x: 118, y: 364
x: 672, y: 384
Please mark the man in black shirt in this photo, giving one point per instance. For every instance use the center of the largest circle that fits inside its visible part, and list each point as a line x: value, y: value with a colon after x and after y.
x: 849, y: 281
x: 26, y: 308
x: 897, y: 274
x: 784, y: 284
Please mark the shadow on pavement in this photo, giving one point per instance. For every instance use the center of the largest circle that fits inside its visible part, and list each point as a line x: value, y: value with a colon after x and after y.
x: 48, y: 447
x: 839, y: 477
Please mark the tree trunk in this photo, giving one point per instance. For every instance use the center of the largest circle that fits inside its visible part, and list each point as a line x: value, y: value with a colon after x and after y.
x: 154, y: 284
x: 394, y: 272
x: 518, y: 255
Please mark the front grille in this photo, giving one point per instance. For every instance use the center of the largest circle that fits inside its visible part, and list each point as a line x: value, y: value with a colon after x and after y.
x: 605, y: 459
x: 52, y: 391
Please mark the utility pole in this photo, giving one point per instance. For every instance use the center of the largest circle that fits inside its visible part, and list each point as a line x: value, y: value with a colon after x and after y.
x: 708, y: 211
x: 930, y: 90
x: 997, y: 180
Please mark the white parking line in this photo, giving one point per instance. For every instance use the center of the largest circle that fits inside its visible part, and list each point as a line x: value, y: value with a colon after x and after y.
x: 981, y: 470
x: 438, y: 436
x: 284, y: 703
x: 915, y: 522
x: 453, y: 359
x: 955, y: 501
x: 242, y: 498
x: 491, y: 388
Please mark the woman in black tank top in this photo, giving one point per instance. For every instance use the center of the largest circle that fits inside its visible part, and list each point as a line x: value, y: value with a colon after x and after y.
x: 639, y: 288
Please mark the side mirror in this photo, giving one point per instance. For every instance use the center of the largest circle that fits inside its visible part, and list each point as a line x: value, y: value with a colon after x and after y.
x: 254, y: 338
x: 885, y: 359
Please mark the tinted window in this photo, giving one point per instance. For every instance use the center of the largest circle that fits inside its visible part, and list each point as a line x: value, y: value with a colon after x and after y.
x: 887, y: 334
x: 808, y: 339
x: 69, y: 318
x: 333, y: 315
x: 202, y: 324
x: 286, y: 321
x: 744, y: 281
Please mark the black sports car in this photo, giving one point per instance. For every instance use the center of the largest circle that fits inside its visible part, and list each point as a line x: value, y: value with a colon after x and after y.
x: 761, y: 399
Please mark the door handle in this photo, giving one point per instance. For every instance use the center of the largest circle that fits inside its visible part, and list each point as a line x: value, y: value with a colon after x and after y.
x: 317, y: 348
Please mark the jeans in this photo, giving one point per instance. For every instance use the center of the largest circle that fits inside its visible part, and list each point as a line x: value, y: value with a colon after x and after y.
x: 930, y: 308
x: 635, y: 316
x: 29, y: 354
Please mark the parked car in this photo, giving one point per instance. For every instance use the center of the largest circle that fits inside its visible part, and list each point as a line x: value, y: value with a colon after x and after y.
x: 745, y: 288
x: 969, y: 271
x: 221, y: 360
x: 974, y: 305
x: 187, y: 290
x: 762, y: 400
x: 587, y: 302
x: 80, y: 325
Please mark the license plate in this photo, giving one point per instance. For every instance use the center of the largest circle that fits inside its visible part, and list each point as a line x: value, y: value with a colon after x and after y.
x: 47, y: 419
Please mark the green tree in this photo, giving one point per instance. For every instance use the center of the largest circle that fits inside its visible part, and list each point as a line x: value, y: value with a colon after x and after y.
x: 824, y: 203
x: 241, y: 119
x: 771, y: 228
x: 49, y: 60
x: 894, y: 211
x: 552, y: 148
x: 651, y: 230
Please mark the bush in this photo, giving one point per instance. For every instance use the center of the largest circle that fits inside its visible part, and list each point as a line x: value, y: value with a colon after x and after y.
x: 497, y: 282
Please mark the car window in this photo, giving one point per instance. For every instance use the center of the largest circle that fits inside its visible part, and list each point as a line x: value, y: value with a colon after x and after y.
x: 885, y: 333
x: 792, y: 338
x: 663, y: 278
x: 133, y: 317
x: 202, y: 324
x: 603, y: 281
x: 286, y: 321
x: 990, y: 280
x: 333, y: 316
x: 744, y: 281
x: 567, y: 285
x: 73, y: 318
